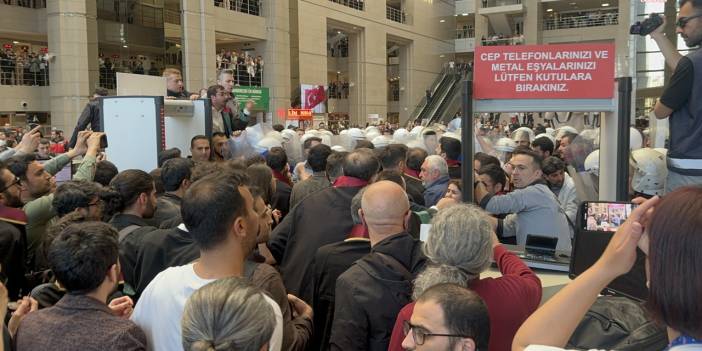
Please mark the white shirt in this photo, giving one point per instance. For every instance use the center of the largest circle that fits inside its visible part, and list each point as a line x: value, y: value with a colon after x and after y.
x: 217, y: 121
x: 160, y: 309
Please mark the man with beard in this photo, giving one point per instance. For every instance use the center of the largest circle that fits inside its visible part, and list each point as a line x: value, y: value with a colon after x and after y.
x: 682, y: 98
x: 37, y: 185
x: 132, y: 199
x: 84, y: 258
x: 562, y: 186
x: 13, y: 240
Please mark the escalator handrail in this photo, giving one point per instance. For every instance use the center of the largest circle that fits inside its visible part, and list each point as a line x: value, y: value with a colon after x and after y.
x: 434, y: 86
x: 429, y: 113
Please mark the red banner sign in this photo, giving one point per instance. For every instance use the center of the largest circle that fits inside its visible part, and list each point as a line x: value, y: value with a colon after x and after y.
x: 7, y: 46
x: 300, y: 114
x: 565, y: 71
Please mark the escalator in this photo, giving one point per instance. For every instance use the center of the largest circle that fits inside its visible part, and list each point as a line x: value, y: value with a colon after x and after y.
x: 435, y: 86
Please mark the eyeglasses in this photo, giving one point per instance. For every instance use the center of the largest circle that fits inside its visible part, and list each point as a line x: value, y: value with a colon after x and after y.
x: 15, y: 182
x: 419, y: 336
x: 682, y: 21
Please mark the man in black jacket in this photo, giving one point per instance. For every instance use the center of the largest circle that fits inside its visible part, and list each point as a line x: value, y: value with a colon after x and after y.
x: 450, y: 150
x: 175, y: 175
x: 371, y: 293
x: 394, y: 158
x: 89, y: 116
x: 319, y: 219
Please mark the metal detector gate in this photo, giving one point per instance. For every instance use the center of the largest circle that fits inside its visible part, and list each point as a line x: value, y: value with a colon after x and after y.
x: 614, y: 133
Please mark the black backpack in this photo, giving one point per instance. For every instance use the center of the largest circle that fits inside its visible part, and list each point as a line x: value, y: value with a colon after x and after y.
x: 618, y: 323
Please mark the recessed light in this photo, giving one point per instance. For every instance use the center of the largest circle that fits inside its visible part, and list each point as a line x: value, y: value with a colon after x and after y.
x: 125, y: 46
x: 15, y: 42
x: 338, y: 32
x: 338, y: 72
x: 441, y: 55
x: 549, y: 10
x: 464, y: 14
x: 442, y: 21
x: 605, y: 4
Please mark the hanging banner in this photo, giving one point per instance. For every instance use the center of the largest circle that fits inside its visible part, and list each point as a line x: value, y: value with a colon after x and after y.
x: 259, y: 95
x: 563, y: 71
x: 300, y: 114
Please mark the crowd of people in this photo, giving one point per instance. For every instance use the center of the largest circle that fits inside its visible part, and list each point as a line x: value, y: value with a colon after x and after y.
x: 248, y: 70
x: 227, y: 249
x: 23, y: 67
x: 275, y: 238
x: 108, y: 69
x: 582, y: 19
x: 339, y: 89
x: 35, y: 4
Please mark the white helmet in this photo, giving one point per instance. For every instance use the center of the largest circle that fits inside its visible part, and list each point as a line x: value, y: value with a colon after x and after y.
x: 338, y: 148
x: 650, y: 171
x: 344, y: 132
x: 416, y: 131
x: 547, y: 136
x: 516, y: 135
x: 326, y: 137
x: 307, y: 136
x: 287, y: 134
x: 565, y: 129
x: 592, y: 162
x: 381, y: 141
x: 452, y: 135
x: 505, y: 145
x: 268, y: 143
x: 400, y: 136
x: 551, y: 131
x: 416, y: 143
x: 369, y: 128
x: 356, y: 134
x: 372, y: 134
x: 275, y: 135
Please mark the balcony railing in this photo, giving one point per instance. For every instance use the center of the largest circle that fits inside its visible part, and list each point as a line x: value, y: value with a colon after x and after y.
x: 247, y: 75
x: 131, y: 13
x: 354, y: 4
x: 338, y: 90
x: 251, y: 7
x: 495, y: 41
x: 592, y: 20
x: 395, y: 15
x: 171, y: 16
x: 15, y: 73
x: 495, y: 3
x: 32, y: 4
x: 465, y: 33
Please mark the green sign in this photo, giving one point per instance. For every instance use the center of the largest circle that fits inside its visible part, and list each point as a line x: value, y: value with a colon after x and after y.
x: 258, y: 94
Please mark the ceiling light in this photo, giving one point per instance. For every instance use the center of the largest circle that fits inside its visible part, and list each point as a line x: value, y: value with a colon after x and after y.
x: 549, y: 10
x: 338, y: 32
x: 15, y: 42
x: 442, y: 21
x: 464, y: 14
x: 125, y: 46
x: 338, y: 72
x: 441, y: 55
x: 605, y: 4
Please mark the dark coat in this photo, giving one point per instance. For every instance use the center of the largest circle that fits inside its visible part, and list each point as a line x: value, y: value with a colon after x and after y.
x: 78, y: 322
x: 167, y: 207
x: 130, y: 247
x: 370, y: 294
x: 281, y: 198
x: 13, y: 251
x: 329, y: 263
x: 89, y: 116
x: 415, y: 189
x: 320, y: 219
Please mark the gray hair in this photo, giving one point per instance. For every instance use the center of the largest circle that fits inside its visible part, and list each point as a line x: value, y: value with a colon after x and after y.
x: 227, y: 314
x: 436, y: 162
x: 356, y: 205
x: 456, y: 254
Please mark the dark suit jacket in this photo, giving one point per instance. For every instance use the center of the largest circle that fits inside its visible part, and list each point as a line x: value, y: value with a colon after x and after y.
x: 78, y: 322
x: 89, y: 116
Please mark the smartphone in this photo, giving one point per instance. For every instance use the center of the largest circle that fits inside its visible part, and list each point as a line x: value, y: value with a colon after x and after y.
x: 103, y: 141
x: 605, y: 216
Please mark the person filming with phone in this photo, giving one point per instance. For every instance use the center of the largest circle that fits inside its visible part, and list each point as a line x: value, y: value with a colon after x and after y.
x: 682, y: 98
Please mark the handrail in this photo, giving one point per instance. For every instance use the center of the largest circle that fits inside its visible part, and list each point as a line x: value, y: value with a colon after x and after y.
x: 251, y: 7
x: 465, y: 33
x: 354, y: 4
x: 433, y: 87
x: 594, y: 19
x: 395, y: 15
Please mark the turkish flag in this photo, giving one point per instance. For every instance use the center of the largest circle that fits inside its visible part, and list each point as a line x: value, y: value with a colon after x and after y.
x: 314, y: 97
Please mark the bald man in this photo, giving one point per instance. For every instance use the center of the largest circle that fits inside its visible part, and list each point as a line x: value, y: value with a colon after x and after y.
x: 371, y: 293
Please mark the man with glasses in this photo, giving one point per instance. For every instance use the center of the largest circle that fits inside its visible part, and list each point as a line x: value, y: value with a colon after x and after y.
x: 682, y: 98
x: 448, y: 317
x: 12, y: 235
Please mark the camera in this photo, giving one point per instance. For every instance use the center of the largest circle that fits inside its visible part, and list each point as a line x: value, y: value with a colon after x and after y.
x: 646, y: 26
x: 24, y: 104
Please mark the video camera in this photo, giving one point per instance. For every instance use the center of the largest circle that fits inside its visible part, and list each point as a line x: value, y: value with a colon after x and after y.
x: 646, y: 26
